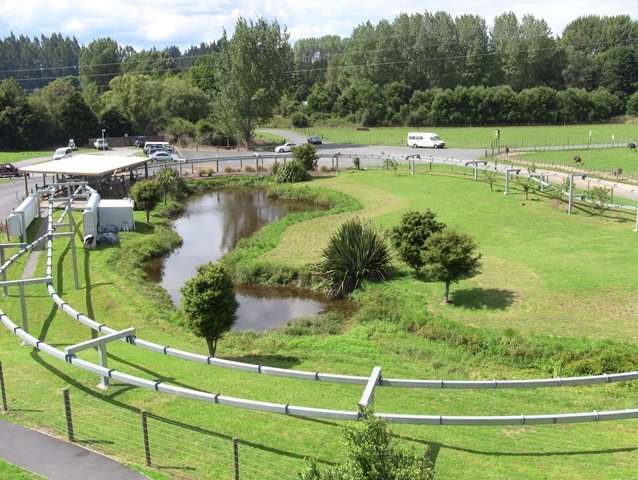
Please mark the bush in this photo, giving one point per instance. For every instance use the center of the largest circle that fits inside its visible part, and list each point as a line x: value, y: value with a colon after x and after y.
x: 291, y: 172
x: 410, y: 235
x: 300, y: 120
x: 307, y: 155
x: 356, y: 252
x: 327, y: 324
x: 371, y: 455
x: 356, y: 163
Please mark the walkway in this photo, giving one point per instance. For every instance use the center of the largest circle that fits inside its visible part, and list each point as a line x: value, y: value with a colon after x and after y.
x: 56, y: 459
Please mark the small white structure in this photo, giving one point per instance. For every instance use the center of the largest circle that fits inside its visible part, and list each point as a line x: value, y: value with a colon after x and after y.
x: 22, y: 217
x: 116, y: 212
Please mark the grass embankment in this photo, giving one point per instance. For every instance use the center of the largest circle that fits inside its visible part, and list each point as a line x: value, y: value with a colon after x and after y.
x: 11, y: 472
x: 482, y: 137
x: 544, y: 274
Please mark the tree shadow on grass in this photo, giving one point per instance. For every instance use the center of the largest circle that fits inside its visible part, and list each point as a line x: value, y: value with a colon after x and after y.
x: 35, y: 354
x: 483, y: 298
x: 144, y: 228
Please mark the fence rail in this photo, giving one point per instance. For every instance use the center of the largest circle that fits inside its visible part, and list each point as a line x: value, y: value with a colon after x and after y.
x: 285, y: 409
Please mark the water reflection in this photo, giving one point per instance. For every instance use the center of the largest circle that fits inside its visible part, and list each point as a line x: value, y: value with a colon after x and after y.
x: 211, y: 226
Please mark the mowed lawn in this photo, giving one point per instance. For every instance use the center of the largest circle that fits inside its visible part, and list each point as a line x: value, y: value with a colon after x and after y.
x: 543, y: 272
x: 482, y: 137
x: 597, y: 161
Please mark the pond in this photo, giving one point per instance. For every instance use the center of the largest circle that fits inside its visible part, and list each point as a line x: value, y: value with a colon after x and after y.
x: 211, y: 226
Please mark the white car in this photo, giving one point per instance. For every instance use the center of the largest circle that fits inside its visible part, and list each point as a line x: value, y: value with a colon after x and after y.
x: 60, y: 153
x: 164, y: 156
x: 286, y: 147
x: 101, y: 144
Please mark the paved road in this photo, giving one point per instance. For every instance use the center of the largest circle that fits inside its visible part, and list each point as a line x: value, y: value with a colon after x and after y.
x: 56, y: 459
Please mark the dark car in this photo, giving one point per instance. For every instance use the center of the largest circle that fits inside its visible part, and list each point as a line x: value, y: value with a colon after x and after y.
x: 314, y: 140
x: 139, y: 141
x: 8, y: 170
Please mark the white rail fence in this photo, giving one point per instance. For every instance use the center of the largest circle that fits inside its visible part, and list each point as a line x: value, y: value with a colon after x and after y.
x: 369, y: 383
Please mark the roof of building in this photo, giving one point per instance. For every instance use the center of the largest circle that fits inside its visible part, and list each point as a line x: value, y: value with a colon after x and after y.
x: 86, y: 165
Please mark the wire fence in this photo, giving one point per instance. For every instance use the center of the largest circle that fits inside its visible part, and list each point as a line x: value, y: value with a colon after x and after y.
x: 140, y: 438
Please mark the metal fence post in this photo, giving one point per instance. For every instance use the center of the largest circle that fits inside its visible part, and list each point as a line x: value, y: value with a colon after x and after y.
x: 147, y: 446
x: 69, y: 418
x: 5, y: 405
x: 236, y: 458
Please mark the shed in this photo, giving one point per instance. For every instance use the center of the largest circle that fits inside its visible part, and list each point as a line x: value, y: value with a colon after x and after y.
x: 116, y: 212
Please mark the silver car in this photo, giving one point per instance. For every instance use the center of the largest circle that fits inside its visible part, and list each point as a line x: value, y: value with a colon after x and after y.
x: 286, y: 147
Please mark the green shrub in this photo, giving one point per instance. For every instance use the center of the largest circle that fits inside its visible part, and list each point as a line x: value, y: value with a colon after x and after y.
x: 356, y: 163
x: 356, y: 252
x: 292, y: 172
x: 307, y: 155
x: 300, y: 120
x: 410, y: 235
x: 328, y: 324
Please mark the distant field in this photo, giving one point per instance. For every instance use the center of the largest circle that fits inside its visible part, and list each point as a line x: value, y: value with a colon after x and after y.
x: 10, y: 157
x: 482, y: 137
x: 598, y: 161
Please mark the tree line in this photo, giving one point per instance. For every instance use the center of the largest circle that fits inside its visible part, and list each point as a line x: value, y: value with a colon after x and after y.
x: 419, y: 69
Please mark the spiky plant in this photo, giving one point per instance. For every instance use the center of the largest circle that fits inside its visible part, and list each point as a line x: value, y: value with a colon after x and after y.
x: 291, y: 172
x: 356, y: 252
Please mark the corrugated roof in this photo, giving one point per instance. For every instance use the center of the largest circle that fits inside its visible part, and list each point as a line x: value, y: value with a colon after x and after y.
x: 86, y: 165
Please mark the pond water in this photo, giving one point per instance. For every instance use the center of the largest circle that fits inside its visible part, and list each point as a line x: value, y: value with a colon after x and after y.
x: 211, y: 226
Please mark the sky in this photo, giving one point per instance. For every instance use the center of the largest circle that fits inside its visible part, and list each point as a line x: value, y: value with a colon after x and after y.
x: 144, y: 24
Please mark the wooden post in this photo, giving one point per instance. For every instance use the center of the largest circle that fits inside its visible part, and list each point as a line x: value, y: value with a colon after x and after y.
x: 5, y: 405
x: 147, y: 445
x: 69, y: 417
x: 236, y: 458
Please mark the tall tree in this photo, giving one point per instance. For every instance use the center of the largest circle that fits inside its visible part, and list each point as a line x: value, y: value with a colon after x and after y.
x: 78, y: 121
x: 100, y: 62
x: 257, y: 66
x: 474, y: 56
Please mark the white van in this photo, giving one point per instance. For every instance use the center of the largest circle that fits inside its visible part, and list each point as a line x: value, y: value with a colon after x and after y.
x: 425, y: 139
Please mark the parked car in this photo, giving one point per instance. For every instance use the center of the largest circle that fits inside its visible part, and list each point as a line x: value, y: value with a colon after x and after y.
x: 60, y: 153
x: 164, y: 156
x: 314, y: 140
x: 9, y: 170
x: 101, y: 144
x: 164, y: 145
x: 286, y: 147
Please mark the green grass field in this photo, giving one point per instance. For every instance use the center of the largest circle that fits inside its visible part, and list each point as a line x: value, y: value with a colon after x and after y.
x: 482, y: 137
x: 600, y: 162
x: 552, y: 278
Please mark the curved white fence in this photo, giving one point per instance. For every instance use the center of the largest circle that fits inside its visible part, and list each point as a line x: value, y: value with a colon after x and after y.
x: 286, y: 409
